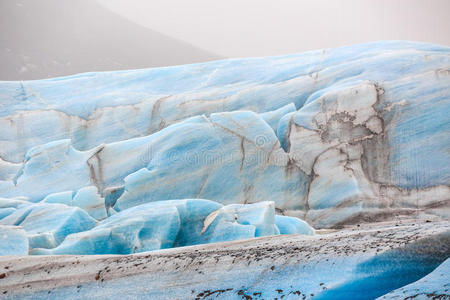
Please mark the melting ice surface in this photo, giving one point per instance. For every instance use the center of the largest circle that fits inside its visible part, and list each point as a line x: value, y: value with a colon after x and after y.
x: 51, y: 228
x: 120, y: 162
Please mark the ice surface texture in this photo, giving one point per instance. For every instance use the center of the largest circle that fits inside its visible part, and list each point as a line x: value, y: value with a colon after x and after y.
x: 363, y: 262
x: 50, y: 228
x: 435, y: 285
x: 334, y: 137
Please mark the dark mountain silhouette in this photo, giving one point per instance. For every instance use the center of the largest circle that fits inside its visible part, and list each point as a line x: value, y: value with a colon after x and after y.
x: 48, y: 38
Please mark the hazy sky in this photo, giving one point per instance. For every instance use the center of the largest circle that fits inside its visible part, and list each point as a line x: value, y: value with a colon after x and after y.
x: 237, y: 28
x: 48, y: 38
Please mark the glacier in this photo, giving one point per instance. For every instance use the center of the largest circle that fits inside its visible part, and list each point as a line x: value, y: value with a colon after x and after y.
x: 304, y: 146
x: 53, y: 228
x: 176, y: 223
x: 434, y: 285
x: 330, y: 136
x: 351, y: 264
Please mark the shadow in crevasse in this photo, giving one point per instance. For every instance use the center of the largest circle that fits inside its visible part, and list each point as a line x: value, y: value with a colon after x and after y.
x: 393, y: 269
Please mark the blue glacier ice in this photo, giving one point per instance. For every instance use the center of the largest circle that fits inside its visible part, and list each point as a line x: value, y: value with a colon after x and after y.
x: 433, y: 286
x: 86, y: 198
x: 175, y: 223
x: 135, y: 230
x: 57, y: 226
x: 289, y: 225
x: 237, y: 221
x: 329, y: 138
x: 273, y: 117
x: 47, y: 225
x: 13, y: 240
x: 9, y: 206
x: 265, y: 176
